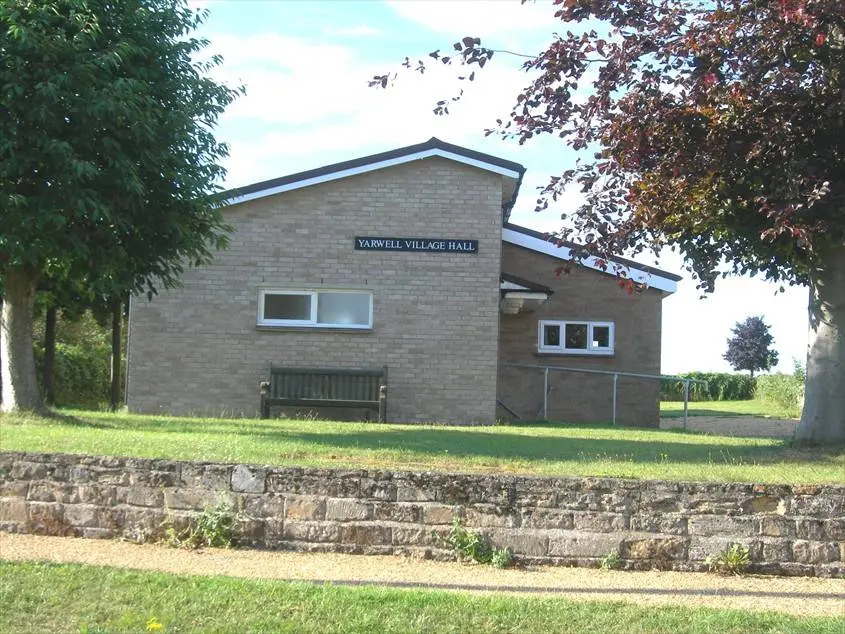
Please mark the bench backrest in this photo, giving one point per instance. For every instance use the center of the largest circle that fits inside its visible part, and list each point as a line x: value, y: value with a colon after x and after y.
x: 326, y: 384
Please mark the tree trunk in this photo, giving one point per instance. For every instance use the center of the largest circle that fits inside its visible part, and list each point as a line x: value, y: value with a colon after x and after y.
x: 17, y: 361
x: 823, y: 418
x: 49, y: 355
x: 116, y: 320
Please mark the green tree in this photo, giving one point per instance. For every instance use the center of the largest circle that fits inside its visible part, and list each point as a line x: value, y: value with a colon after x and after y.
x: 715, y: 127
x: 108, y: 163
x: 748, y: 348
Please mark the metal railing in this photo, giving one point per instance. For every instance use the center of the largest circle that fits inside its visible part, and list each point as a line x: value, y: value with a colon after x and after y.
x: 615, y: 374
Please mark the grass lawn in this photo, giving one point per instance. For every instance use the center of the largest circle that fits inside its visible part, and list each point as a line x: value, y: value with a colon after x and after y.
x: 561, y: 450
x: 73, y: 598
x: 675, y: 409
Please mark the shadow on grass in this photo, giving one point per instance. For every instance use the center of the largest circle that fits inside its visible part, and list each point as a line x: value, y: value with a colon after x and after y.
x: 573, y: 443
x: 719, y: 413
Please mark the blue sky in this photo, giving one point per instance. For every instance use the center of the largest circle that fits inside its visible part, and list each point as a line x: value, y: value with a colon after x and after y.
x: 305, y: 66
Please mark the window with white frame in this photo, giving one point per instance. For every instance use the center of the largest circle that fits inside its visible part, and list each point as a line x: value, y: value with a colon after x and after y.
x: 576, y: 337
x: 315, y: 309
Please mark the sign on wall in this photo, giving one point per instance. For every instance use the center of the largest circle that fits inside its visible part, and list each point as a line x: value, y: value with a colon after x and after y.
x: 429, y: 245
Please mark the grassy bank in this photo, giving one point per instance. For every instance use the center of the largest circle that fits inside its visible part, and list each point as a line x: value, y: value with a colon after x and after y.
x: 674, y: 409
x: 74, y: 598
x: 530, y: 449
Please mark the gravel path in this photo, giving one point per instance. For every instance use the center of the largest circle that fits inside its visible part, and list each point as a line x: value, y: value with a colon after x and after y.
x: 735, y: 425
x: 794, y: 595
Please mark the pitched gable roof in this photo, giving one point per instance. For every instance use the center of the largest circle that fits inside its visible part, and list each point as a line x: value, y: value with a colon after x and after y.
x: 511, y: 171
x: 537, y: 241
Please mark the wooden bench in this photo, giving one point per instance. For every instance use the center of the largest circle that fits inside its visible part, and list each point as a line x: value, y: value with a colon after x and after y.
x: 325, y: 387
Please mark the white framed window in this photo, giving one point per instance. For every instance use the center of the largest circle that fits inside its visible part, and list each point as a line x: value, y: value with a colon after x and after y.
x: 316, y: 308
x: 576, y: 337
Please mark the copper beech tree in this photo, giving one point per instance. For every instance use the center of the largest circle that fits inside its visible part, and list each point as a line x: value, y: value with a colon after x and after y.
x: 717, y: 128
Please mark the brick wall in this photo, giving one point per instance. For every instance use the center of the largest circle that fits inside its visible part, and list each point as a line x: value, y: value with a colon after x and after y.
x: 197, y: 349
x: 583, y: 294
x: 573, y: 521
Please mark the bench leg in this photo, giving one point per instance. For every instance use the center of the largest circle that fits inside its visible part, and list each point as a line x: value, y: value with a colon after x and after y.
x: 382, y: 404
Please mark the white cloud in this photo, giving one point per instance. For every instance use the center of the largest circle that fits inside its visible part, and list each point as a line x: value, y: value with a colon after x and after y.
x: 360, y: 30
x: 313, y: 98
x: 478, y: 18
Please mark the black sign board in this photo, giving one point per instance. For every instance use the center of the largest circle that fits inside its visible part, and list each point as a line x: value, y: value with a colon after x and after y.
x: 429, y: 245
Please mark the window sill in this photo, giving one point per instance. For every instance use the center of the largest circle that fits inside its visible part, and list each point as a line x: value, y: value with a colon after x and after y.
x: 574, y: 354
x: 313, y: 329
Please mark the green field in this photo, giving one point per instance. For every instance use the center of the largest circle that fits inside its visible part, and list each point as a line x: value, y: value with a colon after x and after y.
x: 73, y: 598
x: 559, y: 450
x: 673, y: 409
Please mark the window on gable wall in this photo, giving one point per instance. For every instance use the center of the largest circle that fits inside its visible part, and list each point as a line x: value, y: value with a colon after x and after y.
x: 315, y: 309
x: 576, y: 337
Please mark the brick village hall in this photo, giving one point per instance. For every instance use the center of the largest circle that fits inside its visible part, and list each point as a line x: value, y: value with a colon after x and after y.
x: 404, y: 260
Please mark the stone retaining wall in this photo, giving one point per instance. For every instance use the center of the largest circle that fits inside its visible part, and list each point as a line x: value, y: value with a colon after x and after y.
x: 572, y: 521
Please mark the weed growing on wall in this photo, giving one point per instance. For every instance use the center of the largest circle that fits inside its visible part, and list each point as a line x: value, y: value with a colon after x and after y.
x: 214, y: 527
x: 733, y: 560
x: 470, y: 545
x: 610, y: 561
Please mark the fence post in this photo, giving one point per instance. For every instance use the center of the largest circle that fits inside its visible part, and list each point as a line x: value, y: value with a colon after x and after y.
x: 545, y: 393
x: 686, y: 403
x: 615, y: 377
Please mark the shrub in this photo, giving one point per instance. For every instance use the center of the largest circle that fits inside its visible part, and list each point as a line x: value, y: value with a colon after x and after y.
x: 610, y: 561
x: 80, y: 375
x: 784, y: 390
x: 470, y: 545
x: 733, y: 560
x: 721, y: 386
x: 215, y: 528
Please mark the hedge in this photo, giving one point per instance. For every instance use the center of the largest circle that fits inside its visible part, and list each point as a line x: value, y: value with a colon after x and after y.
x: 81, y: 375
x: 786, y: 390
x: 721, y: 386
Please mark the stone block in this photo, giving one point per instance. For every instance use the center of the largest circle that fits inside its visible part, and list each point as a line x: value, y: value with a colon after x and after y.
x: 248, y: 479
x: 192, y: 499
x: 264, y: 506
x: 568, y: 545
x: 714, y: 525
x: 13, y: 510
x: 835, y: 529
x: 808, y: 552
x: 806, y: 528
x: 488, y: 516
x: 379, y: 489
x: 13, y: 488
x: 546, y: 518
x: 139, y: 495
x: 82, y: 515
x: 670, y: 524
x: 205, y: 476
x: 398, y: 512
x: 779, y: 550
x: 305, y: 508
x: 600, y: 522
x: 524, y: 542
x: 777, y: 527
x: 47, y: 518
x: 656, y: 549
x: 61, y: 492
x: 311, y: 531
x: 700, y: 548
x: 407, y: 536
x: 764, y: 504
x: 438, y: 514
x: 366, y: 534
x: 348, y: 510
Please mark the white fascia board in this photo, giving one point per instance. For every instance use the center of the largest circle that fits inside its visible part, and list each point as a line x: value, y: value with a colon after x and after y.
x: 510, y: 286
x: 652, y: 280
x: 527, y: 295
x: 371, y: 167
